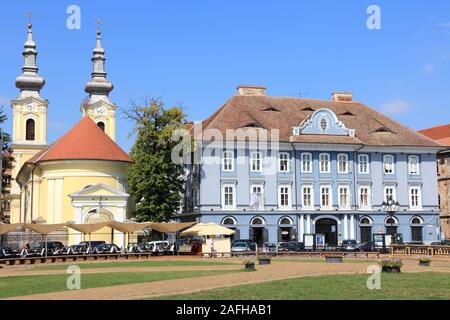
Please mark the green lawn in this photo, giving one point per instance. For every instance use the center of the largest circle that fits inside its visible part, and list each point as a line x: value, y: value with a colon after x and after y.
x: 340, y: 287
x: 26, y: 285
x: 134, y: 263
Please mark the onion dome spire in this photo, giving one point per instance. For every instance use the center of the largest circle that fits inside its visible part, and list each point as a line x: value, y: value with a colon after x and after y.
x: 29, y: 82
x: 98, y: 87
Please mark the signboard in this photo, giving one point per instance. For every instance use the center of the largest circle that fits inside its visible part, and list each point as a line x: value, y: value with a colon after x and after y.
x: 308, y: 241
x: 320, y: 241
x: 379, y: 241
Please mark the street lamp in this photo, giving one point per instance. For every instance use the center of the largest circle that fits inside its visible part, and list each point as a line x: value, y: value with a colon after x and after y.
x: 391, y: 207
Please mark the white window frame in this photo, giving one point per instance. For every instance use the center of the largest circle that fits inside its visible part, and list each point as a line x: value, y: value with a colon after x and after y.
x: 262, y: 196
x: 302, y: 165
x: 233, y: 206
x: 369, y: 198
x: 410, y: 171
x: 328, y: 163
x: 419, y: 197
x: 288, y: 166
x: 394, y: 192
x: 289, y: 193
x: 385, y: 162
x: 254, y: 158
x: 225, y: 158
x: 304, y: 206
x: 366, y: 161
x: 347, y: 165
x: 330, y: 197
x: 348, y: 206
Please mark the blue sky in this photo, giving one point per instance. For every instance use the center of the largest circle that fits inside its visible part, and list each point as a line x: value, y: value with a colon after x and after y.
x: 195, y: 53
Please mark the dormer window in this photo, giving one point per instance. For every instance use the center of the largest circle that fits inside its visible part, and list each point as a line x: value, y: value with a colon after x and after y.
x: 323, y: 124
x: 271, y: 109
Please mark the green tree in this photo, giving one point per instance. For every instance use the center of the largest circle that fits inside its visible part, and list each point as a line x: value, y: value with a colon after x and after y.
x: 7, y: 158
x: 156, y: 183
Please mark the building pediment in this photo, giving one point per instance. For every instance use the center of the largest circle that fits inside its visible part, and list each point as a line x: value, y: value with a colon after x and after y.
x: 98, y: 190
x: 325, y: 122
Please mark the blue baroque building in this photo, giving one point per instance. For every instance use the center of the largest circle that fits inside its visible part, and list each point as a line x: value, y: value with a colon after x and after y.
x: 276, y: 168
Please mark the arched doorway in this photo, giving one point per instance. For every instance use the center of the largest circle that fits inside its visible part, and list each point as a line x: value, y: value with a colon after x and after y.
x: 286, y: 230
x: 328, y: 227
x: 416, y: 230
x: 258, y: 232
x: 230, y: 223
x: 99, y: 215
x: 391, y: 225
x: 365, y: 227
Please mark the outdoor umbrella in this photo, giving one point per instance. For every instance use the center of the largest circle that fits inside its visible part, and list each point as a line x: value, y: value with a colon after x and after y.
x: 170, y: 227
x: 88, y: 228
x: 128, y: 227
x: 208, y: 229
x: 44, y: 229
x: 5, y: 228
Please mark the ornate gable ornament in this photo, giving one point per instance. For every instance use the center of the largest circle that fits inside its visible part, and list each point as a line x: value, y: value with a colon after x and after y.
x: 323, y: 121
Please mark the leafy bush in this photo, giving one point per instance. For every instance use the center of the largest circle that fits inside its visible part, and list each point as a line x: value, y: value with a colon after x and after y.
x: 248, y: 263
x: 424, y: 259
x: 264, y: 258
x: 391, y: 263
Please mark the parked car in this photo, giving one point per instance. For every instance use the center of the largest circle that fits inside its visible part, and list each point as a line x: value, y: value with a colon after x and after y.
x: 250, y: 243
x: 368, y: 246
x: 239, y: 246
x: 441, y: 243
x: 107, y: 248
x: 269, y: 247
x: 157, y: 247
x: 53, y: 247
x: 282, y: 247
x: 6, y: 252
x: 348, y: 245
x: 295, y: 246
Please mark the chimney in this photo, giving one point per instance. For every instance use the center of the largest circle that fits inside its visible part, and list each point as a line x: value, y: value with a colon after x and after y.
x: 342, y: 96
x: 247, y: 90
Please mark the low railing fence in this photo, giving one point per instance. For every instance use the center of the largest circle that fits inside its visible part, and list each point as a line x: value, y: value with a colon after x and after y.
x: 413, y: 249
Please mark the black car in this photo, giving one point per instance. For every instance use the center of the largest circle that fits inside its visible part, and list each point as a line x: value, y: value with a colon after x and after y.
x: 250, y: 243
x: 53, y: 247
x: 441, y: 243
x: 349, y: 245
x: 6, y: 252
x: 294, y: 246
x: 368, y: 246
x: 107, y: 248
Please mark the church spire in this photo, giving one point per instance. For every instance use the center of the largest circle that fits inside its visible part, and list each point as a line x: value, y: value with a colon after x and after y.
x: 29, y: 82
x: 98, y: 87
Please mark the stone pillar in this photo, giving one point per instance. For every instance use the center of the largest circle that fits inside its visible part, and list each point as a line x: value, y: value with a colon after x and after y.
x: 301, y: 228
x: 345, y: 227
x: 308, y: 223
x: 352, y: 226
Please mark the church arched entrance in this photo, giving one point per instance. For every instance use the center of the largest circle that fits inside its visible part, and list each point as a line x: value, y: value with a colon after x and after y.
x: 329, y: 228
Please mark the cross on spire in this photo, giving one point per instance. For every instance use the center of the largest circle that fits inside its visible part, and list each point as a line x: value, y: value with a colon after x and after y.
x: 98, y: 25
x: 29, y: 19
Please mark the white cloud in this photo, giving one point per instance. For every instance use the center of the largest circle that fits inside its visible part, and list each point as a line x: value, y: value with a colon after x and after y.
x: 428, y: 68
x: 396, y: 107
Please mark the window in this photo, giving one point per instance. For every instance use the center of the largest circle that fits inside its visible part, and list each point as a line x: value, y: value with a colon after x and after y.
x: 30, y: 130
x: 324, y: 163
x: 323, y: 124
x: 325, y: 197
x: 342, y: 163
x: 344, y: 197
x: 229, y: 196
x: 257, y: 197
x: 413, y: 165
x: 229, y: 221
x: 416, y: 230
x: 228, y: 161
x: 283, y: 162
x: 388, y: 164
x: 389, y: 192
x: 255, y: 162
x: 415, y: 201
x: 306, y: 162
x: 101, y: 125
x: 284, y: 201
x: 363, y: 164
x: 307, y: 197
x: 365, y: 198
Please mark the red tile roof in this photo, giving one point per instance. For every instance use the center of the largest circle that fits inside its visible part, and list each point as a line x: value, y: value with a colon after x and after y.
x: 284, y: 113
x: 440, y: 134
x: 85, y: 141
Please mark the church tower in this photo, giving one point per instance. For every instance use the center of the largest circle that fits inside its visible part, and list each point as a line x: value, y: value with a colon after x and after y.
x: 97, y: 105
x: 29, y: 118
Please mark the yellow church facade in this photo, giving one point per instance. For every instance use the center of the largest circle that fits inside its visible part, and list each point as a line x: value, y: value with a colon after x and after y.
x: 79, y: 178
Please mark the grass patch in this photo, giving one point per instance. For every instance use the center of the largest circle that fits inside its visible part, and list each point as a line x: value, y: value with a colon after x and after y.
x: 409, y: 286
x: 27, y: 285
x: 130, y: 264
